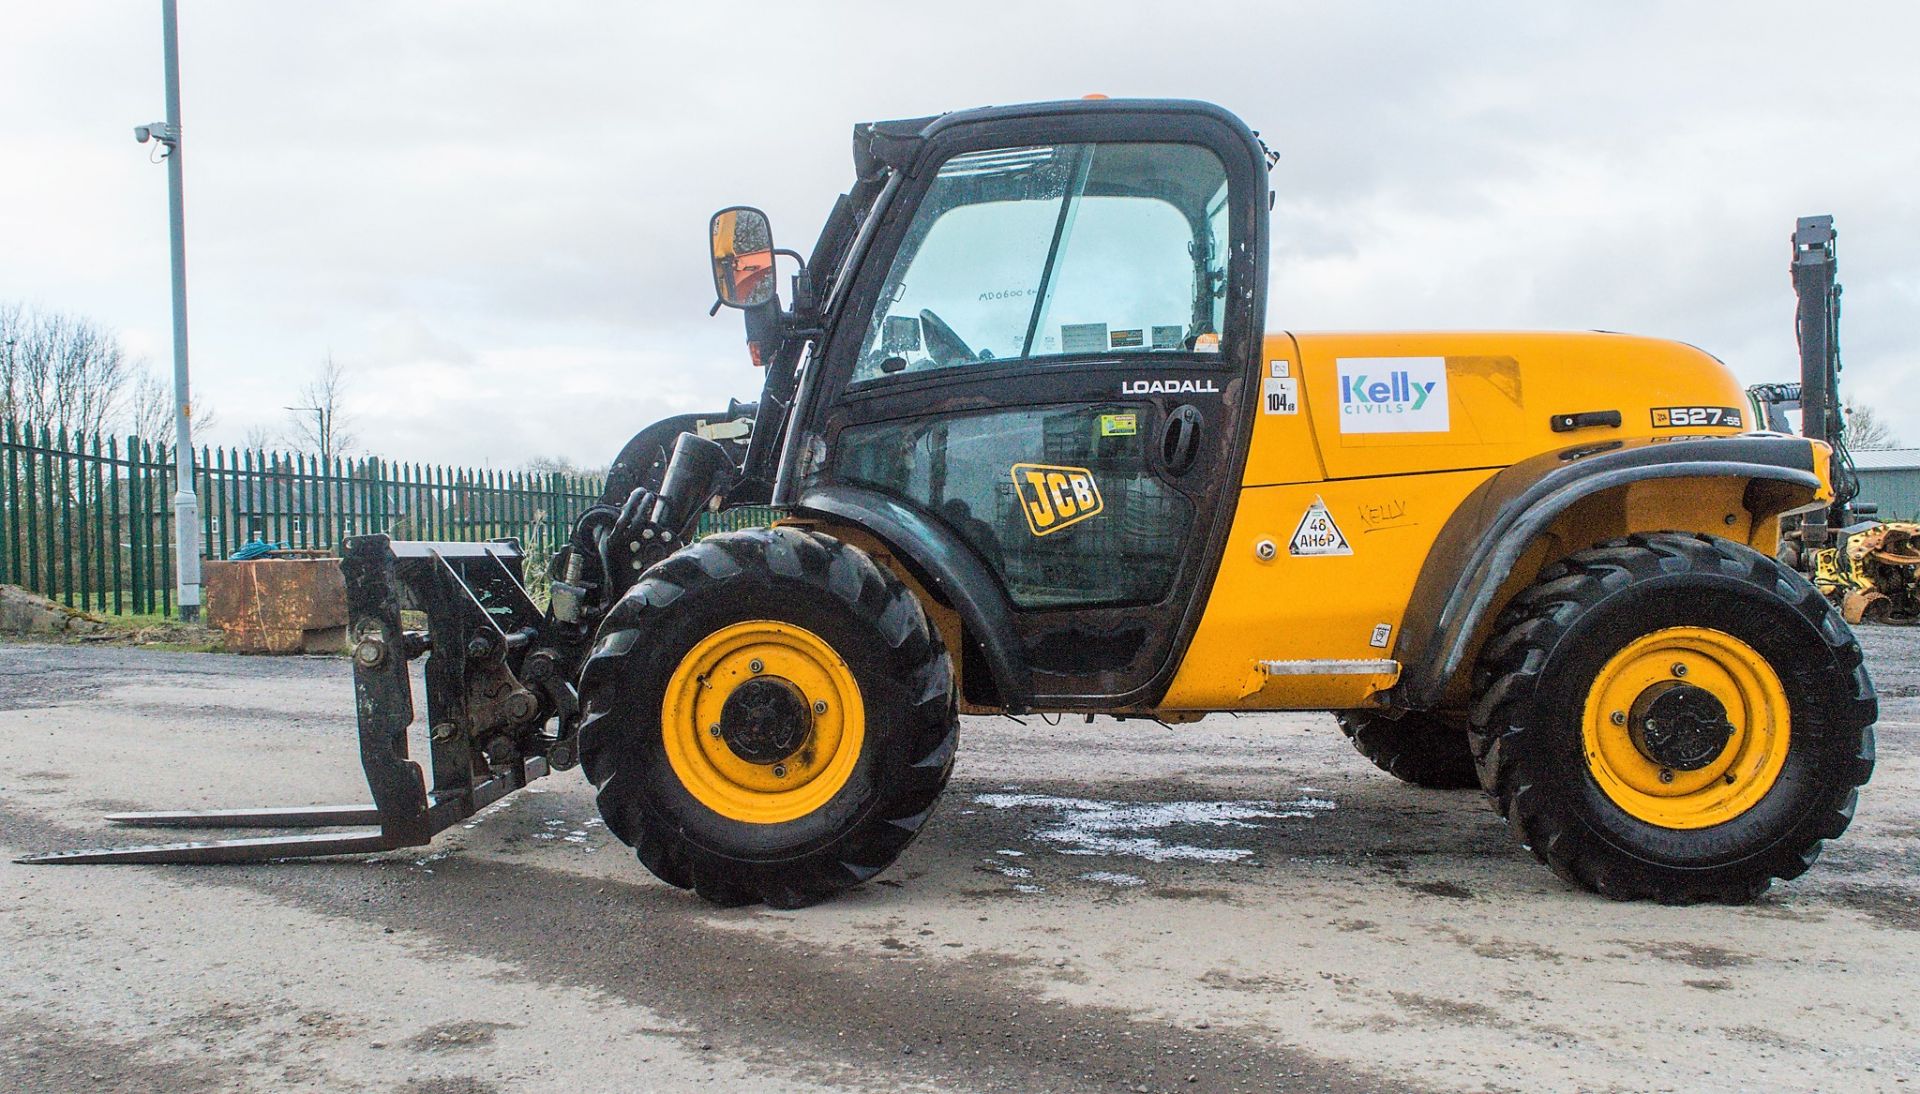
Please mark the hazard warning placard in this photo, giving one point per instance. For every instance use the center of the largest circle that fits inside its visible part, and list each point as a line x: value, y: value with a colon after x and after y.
x: 1318, y: 534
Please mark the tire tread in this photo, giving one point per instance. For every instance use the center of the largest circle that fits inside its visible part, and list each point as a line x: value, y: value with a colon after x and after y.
x: 1524, y: 639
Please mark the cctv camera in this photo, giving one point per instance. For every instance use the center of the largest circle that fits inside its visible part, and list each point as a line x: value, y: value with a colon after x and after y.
x: 143, y: 133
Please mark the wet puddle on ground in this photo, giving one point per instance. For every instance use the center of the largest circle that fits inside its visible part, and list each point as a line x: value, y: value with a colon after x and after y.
x: 1154, y: 832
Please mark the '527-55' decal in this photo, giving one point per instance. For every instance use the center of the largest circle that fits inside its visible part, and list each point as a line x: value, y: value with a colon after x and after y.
x: 1682, y: 417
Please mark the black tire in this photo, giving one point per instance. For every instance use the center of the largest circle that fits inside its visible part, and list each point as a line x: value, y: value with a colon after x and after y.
x: 1557, y: 636
x: 1422, y: 749
x: 870, y: 621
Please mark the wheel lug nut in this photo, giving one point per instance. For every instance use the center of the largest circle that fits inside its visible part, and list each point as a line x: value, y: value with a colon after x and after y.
x: 1666, y: 774
x: 1679, y: 669
x: 756, y: 665
x: 1619, y: 717
x: 713, y: 730
x: 819, y: 706
x: 779, y: 771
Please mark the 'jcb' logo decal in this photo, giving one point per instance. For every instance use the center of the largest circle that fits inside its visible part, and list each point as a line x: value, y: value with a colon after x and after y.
x: 1054, y: 497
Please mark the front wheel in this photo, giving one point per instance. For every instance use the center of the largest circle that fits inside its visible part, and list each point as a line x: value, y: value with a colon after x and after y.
x: 1673, y: 717
x: 770, y: 717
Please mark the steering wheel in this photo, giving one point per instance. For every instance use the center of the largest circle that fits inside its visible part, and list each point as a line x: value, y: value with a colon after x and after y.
x: 943, y: 345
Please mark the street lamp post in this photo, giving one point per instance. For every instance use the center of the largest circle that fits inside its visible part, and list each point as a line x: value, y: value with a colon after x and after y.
x: 321, y: 438
x: 186, y: 506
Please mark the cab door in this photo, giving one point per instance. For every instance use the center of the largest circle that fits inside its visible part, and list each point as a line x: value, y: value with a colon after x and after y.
x: 1048, y: 351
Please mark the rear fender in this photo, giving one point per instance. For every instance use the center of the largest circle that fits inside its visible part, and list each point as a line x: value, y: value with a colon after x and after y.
x: 1546, y: 507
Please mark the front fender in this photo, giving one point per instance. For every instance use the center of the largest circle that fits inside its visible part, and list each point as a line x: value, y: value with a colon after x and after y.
x: 1479, y: 546
x: 947, y: 568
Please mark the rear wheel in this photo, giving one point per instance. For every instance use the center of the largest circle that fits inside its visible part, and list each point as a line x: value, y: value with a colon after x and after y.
x: 770, y: 717
x: 1673, y: 717
x: 1422, y: 749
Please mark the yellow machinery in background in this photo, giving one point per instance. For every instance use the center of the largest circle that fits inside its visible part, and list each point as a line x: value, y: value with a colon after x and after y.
x: 1872, y: 572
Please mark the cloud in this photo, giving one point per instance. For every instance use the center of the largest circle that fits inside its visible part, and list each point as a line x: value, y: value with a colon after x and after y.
x: 494, y: 212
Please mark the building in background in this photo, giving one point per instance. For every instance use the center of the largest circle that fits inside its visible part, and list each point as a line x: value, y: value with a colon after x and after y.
x: 1890, y: 478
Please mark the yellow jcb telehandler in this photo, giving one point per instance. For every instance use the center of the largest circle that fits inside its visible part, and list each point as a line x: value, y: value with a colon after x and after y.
x: 1035, y: 450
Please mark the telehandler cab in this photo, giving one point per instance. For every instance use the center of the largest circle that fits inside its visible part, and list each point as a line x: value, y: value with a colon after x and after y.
x: 1036, y: 451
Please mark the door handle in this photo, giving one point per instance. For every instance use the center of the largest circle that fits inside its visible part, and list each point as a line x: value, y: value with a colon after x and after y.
x: 1180, y: 440
x: 1567, y: 423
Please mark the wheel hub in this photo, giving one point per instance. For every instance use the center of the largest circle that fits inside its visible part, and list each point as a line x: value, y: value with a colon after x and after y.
x: 1679, y: 726
x: 765, y: 720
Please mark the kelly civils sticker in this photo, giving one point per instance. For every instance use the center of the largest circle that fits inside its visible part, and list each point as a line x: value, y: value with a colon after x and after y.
x: 1393, y: 394
x: 1687, y: 417
x: 1318, y: 534
x: 1054, y: 497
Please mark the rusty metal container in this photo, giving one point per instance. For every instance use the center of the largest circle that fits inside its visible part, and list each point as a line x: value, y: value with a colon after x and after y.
x: 278, y: 604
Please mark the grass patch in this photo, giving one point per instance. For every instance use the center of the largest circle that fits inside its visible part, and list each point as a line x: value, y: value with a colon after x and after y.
x: 153, y: 631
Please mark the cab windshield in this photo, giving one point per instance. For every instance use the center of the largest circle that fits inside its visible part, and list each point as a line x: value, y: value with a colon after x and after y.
x: 1057, y: 250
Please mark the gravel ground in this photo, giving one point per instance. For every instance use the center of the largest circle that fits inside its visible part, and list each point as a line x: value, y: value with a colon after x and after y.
x: 1239, y: 904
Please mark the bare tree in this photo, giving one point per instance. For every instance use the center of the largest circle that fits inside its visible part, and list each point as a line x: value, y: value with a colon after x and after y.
x: 150, y: 411
x: 322, y: 423
x: 61, y: 371
x: 259, y: 438
x: 1865, y: 430
x: 553, y: 465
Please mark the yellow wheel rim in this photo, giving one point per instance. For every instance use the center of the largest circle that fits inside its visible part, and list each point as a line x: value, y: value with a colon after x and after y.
x: 1730, y: 783
x: 798, y: 782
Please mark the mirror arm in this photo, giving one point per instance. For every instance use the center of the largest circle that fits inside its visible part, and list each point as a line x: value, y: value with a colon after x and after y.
x: 805, y: 305
x: 804, y: 321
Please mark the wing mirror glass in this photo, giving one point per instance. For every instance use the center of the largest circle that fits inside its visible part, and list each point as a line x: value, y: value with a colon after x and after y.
x: 743, y: 272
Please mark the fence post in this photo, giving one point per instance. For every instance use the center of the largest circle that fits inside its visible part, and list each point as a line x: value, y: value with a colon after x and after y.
x: 33, y: 517
x: 12, y: 440
x: 9, y: 505
x: 66, y: 515
x: 377, y: 518
x: 85, y: 513
x: 167, y: 492
x: 113, y: 504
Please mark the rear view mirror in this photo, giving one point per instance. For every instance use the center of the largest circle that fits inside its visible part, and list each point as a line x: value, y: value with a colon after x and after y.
x: 900, y: 334
x: 742, y: 257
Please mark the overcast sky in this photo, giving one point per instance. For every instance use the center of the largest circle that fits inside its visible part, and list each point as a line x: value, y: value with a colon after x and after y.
x: 495, y: 213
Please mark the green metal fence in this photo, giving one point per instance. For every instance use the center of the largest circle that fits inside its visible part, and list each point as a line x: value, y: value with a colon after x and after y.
x: 88, y: 520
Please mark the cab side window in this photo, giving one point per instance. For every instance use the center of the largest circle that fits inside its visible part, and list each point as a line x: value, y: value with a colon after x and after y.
x: 1056, y: 499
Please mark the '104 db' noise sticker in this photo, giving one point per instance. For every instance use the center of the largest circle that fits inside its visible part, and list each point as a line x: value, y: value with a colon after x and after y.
x: 1054, y: 497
